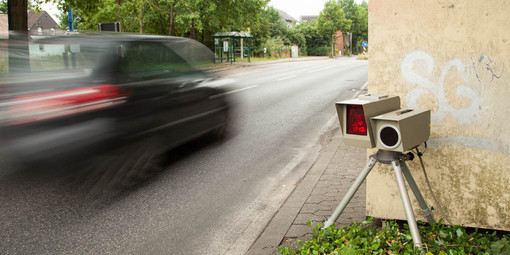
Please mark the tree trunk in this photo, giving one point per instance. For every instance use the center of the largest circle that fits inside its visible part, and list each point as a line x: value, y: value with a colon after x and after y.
x: 17, y: 17
x: 141, y: 18
x: 332, y: 46
x: 171, y: 27
x: 192, y: 32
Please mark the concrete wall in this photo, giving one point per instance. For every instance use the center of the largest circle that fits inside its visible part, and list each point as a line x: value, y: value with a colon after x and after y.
x: 453, y: 57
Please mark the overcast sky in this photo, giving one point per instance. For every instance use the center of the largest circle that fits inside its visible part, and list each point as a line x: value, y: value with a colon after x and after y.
x: 52, y: 10
x: 296, y: 9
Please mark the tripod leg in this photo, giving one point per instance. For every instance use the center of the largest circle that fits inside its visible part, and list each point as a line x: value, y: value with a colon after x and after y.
x: 410, y: 180
x: 350, y: 193
x: 413, y: 226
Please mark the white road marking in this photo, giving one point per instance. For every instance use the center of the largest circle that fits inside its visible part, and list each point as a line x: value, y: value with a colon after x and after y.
x: 232, y: 92
x: 320, y: 69
x: 285, y: 78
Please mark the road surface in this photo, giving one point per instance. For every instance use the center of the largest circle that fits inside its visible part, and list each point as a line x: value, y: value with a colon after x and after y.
x: 214, y: 198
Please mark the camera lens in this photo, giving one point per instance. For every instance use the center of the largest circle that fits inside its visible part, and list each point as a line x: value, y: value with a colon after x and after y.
x: 389, y: 137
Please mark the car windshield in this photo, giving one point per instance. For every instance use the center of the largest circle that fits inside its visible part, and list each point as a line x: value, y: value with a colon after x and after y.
x: 95, y: 54
x: 64, y: 56
x: 51, y: 55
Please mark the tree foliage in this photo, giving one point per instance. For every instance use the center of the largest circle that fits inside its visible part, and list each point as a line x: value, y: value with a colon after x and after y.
x: 190, y: 18
x: 358, y: 14
x: 332, y: 19
x: 200, y: 19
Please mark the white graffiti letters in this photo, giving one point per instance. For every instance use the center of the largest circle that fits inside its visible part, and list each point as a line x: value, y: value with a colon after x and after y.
x: 464, y: 116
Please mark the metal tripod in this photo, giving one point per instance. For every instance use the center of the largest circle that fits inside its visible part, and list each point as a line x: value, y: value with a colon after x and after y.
x: 397, y: 160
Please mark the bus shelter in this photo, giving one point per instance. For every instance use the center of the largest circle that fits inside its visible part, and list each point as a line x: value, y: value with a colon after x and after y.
x: 230, y: 45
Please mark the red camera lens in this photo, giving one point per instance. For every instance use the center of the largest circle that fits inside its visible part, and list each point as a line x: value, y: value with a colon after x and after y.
x: 356, y: 122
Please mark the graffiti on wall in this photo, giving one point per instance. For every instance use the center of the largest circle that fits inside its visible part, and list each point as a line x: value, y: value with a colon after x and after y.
x: 486, y: 69
x: 427, y: 85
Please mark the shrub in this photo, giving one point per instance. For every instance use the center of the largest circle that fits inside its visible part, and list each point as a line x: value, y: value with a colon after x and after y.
x: 276, y: 48
x: 364, y: 238
x: 318, y: 51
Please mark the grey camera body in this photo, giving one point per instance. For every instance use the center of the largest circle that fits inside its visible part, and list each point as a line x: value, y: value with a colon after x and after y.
x: 371, y: 121
x: 401, y: 130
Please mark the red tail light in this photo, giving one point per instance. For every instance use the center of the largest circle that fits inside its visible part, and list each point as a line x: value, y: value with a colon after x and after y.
x: 36, y: 107
x: 356, y: 122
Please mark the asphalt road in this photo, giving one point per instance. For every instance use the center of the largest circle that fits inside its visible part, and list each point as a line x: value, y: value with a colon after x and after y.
x: 214, y: 197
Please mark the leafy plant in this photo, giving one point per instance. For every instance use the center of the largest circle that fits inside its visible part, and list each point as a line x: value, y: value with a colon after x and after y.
x: 364, y: 238
x: 318, y: 51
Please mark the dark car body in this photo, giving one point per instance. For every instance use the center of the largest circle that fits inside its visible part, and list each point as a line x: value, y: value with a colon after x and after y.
x: 86, y: 95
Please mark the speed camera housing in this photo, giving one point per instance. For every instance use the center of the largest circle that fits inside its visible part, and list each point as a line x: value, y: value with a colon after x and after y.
x: 354, y: 116
x: 401, y: 130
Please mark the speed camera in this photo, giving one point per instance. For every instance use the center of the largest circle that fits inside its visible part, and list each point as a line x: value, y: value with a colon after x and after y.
x: 354, y: 116
x: 371, y: 121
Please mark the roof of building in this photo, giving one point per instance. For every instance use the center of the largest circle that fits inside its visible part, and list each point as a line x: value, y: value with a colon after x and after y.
x: 286, y: 16
x: 309, y: 18
x: 40, y: 19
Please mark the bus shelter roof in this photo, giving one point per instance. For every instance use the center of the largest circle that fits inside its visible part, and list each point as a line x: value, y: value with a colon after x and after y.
x: 233, y: 34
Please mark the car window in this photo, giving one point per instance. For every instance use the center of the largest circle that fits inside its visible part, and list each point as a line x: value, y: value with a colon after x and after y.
x: 62, y: 56
x: 150, y: 60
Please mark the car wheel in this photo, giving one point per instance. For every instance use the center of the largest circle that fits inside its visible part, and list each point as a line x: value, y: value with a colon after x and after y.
x: 222, y: 131
x: 126, y: 167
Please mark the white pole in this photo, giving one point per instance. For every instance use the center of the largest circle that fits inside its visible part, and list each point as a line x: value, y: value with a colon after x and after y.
x: 242, y: 50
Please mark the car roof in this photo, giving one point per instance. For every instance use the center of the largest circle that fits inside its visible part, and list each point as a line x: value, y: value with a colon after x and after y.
x: 112, y: 36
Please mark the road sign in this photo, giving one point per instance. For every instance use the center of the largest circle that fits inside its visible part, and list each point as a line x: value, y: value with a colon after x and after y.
x: 364, y: 44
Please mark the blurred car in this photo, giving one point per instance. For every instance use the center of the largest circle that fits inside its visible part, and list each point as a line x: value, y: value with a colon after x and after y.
x: 87, y: 96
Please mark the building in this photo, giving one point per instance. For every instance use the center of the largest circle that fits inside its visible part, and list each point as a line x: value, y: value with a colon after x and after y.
x: 4, y: 26
x: 339, y: 43
x: 309, y: 18
x: 452, y: 58
x: 41, y: 23
x: 286, y: 18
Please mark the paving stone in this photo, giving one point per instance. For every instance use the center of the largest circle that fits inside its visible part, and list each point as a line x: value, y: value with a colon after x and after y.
x: 312, y: 208
x: 303, y: 218
x: 298, y: 231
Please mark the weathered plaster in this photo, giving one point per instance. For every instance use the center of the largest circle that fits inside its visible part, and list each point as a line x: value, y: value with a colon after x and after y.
x: 452, y: 57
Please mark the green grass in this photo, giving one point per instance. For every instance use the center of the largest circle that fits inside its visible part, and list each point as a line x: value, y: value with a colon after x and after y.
x: 256, y: 59
x: 361, y: 57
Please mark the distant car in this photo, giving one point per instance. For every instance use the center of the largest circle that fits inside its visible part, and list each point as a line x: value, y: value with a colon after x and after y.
x: 88, y: 96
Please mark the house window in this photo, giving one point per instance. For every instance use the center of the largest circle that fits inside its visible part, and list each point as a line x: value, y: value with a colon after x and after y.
x: 39, y: 30
x: 53, y: 31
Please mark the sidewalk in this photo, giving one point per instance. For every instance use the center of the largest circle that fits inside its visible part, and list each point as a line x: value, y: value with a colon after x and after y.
x: 316, y: 197
x: 239, y: 64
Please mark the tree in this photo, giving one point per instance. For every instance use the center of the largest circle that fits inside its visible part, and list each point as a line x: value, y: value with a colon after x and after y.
x: 332, y: 19
x: 3, y: 6
x: 198, y: 19
x: 313, y: 40
x: 358, y: 14
x: 359, y: 26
